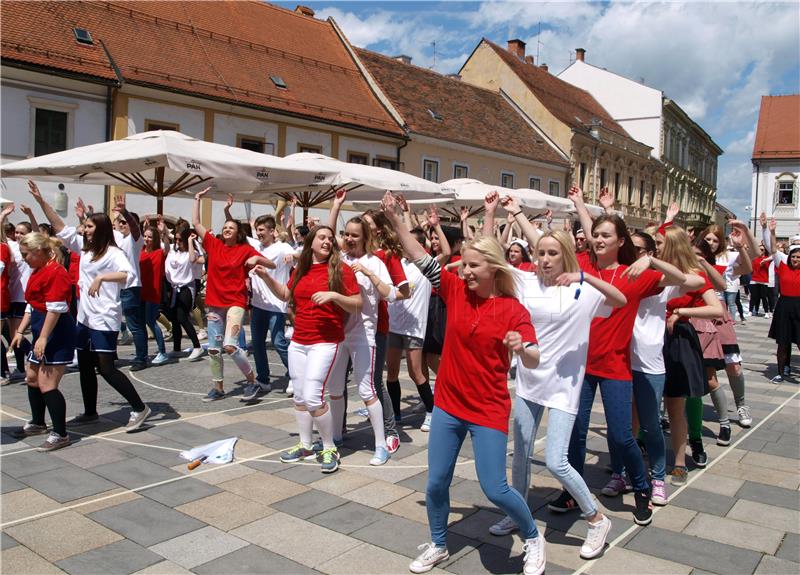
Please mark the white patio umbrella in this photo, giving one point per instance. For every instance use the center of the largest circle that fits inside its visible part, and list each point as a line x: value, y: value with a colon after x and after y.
x: 362, y: 182
x: 162, y: 163
x: 470, y: 193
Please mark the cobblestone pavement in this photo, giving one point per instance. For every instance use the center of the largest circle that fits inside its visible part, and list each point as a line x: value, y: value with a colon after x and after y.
x: 125, y: 503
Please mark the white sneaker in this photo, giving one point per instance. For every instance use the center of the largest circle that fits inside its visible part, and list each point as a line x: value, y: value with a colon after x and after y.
x: 290, y: 390
x: 426, y: 425
x: 202, y: 334
x: 197, y: 353
x: 596, y: 538
x: 430, y: 557
x: 768, y: 315
x: 535, y: 556
x: 505, y: 526
x: 745, y: 419
x: 160, y: 358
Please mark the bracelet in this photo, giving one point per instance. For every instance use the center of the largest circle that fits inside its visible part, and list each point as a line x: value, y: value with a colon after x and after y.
x: 517, y: 213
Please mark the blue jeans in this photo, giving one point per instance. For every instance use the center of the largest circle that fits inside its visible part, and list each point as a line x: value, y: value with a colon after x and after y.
x: 647, y: 391
x: 527, y: 417
x: 389, y: 423
x: 262, y: 321
x: 730, y: 301
x: 151, y: 313
x: 133, y: 310
x: 446, y: 436
x: 617, y: 402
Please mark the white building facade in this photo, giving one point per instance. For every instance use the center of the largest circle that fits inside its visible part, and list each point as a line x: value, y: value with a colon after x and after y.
x: 688, y: 153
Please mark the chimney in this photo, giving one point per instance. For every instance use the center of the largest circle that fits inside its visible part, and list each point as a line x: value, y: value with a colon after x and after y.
x: 517, y: 47
x: 304, y: 10
x: 402, y: 58
x: 529, y: 60
x: 454, y: 76
x: 580, y: 54
x: 544, y: 67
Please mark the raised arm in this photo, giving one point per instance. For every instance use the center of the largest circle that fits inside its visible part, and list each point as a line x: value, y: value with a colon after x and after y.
x: 411, y: 246
x: 7, y: 211
x: 464, y: 216
x: 198, y: 226
x: 606, y: 200
x: 526, y: 227
x: 576, y: 195
x: 672, y: 211
x: 163, y: 234
x: 133, y: 223
x: 333, y: 216
x: 742, y: 240
x: 444, y: 245
x: 228, y: 206
x: 51, y: 215
x: 31, y: 218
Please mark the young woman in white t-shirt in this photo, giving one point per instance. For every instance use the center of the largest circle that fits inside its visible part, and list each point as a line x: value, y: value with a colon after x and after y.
x: 104, y: 271
x: 179, y: 269
x: 562, y: 301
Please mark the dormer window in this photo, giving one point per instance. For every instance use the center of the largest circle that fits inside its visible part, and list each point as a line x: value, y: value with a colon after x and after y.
x: 83, y: 36
x: 278, y: 81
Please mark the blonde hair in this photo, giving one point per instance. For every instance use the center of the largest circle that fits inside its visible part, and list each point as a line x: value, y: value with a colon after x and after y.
x: 678, y: 250
x: 564, y: 240
x: 37, y: 241
x: 492, y: 252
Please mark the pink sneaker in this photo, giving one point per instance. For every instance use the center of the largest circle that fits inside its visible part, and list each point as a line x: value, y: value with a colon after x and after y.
x: 392, y: 443
x: 615, y: 486
x: 659, y: 496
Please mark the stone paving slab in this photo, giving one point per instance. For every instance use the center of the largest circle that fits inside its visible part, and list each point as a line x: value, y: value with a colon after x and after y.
x: 180, y: 492
x: 68, y: 484
x: 777, y: 496
x: 146, y: 522
x: 134, y: 472
x: 225, y: 510
x: 120, y: 558
x: 198, y: 547
x: 255, y: 560
x: 736, y: 533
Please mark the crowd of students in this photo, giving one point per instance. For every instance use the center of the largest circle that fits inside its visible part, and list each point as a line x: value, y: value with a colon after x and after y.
x: 645, y: 318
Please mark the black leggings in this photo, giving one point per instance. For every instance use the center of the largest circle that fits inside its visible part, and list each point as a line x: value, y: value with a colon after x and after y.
x: 104, y: 362
x: 181, y: 317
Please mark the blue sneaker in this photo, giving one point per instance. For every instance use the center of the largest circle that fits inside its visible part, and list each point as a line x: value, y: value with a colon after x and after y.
x: 381, y: 456
x: 317, y: 445
x: 330, y: 460
x: 214, y: 395
x: 253, y: 390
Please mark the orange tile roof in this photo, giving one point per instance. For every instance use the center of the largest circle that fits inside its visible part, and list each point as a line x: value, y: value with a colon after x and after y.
x: 469, y: 115
x: 570, y: 104
x: 778, y: 131
x: 221, y: 50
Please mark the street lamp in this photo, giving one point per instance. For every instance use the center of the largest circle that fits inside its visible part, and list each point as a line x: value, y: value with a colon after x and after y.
x: 750, y: 220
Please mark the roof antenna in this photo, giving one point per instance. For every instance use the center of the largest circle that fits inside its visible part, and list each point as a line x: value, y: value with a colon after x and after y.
x: 538, y: 43
x: 434, y: 55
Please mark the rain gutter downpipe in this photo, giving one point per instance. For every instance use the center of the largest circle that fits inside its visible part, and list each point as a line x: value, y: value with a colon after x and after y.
x: 110, y: 113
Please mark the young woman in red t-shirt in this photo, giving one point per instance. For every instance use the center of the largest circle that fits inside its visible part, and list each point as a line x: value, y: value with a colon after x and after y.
x: 322, y: 291
x: 485, y: 322
x: 785, y: 326
x: 608, y: 362
x: 229, y: 258
x: 683, y: 353
x: 48, y: 294
x: 151, y: 272
x: 760, y: 291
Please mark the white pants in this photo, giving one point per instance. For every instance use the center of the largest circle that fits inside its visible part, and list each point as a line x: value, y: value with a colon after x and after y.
x: 362, y: 354
x: 311, y: 369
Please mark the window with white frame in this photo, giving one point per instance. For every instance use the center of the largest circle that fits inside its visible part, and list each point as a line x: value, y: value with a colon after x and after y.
x: 51, y: 126
x: 535, y: 183
x: 785, y: 190
x: 430, y: 170
x: 554, y: 187
x: 460, y: 171
x: 358, y: 158
x: 507, y: 180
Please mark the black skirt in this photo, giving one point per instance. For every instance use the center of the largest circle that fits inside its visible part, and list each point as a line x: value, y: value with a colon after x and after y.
x: 683, y: 360
x: 785, y: 326
x: 437, y: 323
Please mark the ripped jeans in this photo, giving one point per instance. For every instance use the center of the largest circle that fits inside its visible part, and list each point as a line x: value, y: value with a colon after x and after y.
x: 224, y: 325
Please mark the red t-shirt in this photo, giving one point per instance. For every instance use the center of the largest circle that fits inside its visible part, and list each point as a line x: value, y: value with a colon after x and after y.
x: 471, y: 383
x: 789, y: 280
x: 760, y: 270
x: 320, y: 323
x: 584, y: 260
x: 610, y: 337
x: 690, y: 299
x: 526, y: 266
x: 151, y: 272
x: 5, y: 293
x: 50, y: 283
x: 225, y: 283
x: 395, y: 267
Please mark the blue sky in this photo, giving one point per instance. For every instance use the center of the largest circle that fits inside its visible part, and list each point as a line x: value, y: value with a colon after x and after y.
x: 716, y: 59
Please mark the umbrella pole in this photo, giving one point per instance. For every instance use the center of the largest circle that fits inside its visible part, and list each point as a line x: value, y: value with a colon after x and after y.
x: 160, y: 191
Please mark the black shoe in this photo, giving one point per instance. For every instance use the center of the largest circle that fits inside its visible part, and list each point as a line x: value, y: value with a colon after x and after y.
x: 83, y: 419
x: 724, y: 436
x: 698, y: 453
x: 564, y: 503
x: 138, y: 366
x: 643, y: 514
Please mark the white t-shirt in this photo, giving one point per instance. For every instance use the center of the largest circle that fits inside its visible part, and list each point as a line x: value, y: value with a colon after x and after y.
x: 178, y: 270
x: 263, y: 298
x: 361, y: 327
x: 132, y: 250
x: 102, y: 312
x: 562, y: 327
x: 410, y: 316
x: 18, y: 275
x: 647, y: 344
x: 729, y: 260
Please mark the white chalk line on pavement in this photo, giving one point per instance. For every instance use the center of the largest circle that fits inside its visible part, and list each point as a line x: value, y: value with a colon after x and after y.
x: 693, y: 477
